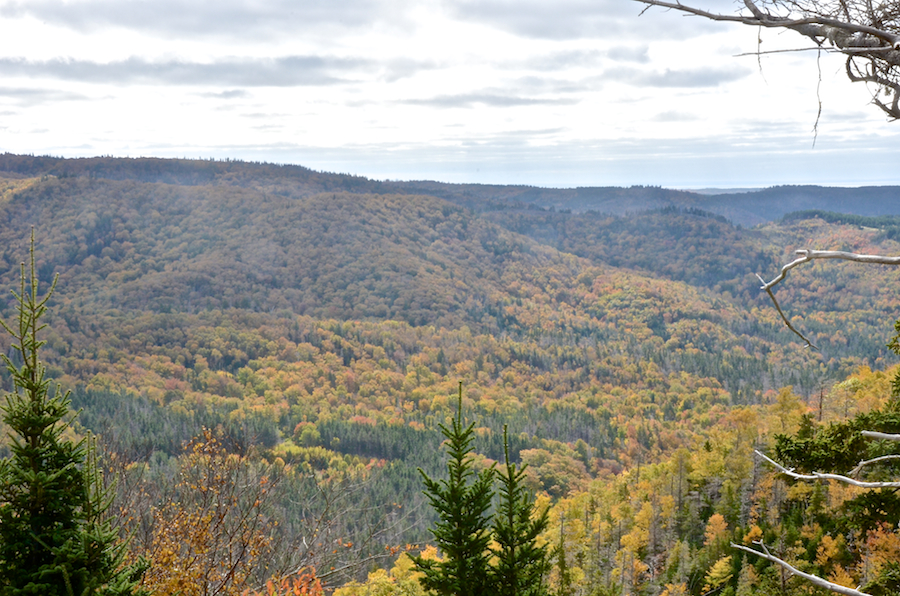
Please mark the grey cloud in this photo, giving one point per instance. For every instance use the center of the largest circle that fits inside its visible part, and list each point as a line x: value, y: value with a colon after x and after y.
x: 229, y: 94
x: 571, y: 19
x: 673, y: 116
x: 468, y: 100
x: 629, y: 54
x: 699, y: 77
x: 275, y: 72
x: 205, y: 18
x: 549, y: 85
x: 716, y: 160
x: 401, y: 68
x: 560, y: 60
x: 31, y: 96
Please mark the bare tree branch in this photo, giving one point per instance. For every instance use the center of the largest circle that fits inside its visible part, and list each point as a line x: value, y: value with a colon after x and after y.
x: 869, y: 462
x: 813, y: 579
x: 815, y: 27
x: 828, y: 476
x: 807, y: 255
x: 883, y: 436
x: 852, y: 27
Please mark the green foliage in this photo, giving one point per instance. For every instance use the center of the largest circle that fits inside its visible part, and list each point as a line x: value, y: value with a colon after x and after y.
x: 521, y: 562
x: 839, y: 446
x: 462, y: 533
x: 54, y: 535
x: 887, y: 583
x: 517, y: 562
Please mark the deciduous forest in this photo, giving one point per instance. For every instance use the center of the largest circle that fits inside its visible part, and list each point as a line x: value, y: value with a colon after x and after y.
x: 267, y: 354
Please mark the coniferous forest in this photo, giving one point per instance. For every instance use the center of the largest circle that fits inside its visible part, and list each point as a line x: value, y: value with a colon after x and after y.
x: 264, y: 365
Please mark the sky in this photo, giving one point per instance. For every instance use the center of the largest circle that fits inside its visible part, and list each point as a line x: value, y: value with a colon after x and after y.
x: 554, y: 93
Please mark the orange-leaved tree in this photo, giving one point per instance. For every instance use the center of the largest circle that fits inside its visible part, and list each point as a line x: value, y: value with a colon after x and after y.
x: 211, y: 535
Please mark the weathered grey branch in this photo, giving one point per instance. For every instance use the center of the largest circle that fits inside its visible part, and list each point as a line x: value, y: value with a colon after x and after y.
x: 883, y: 436
x: 870, y: 35
x: 813, y: 579
x: 828, y: 476
x: 818, y: 28
x: 869, y: 462
x: 807, y: 255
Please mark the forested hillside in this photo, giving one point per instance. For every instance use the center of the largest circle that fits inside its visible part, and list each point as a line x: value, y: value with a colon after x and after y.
x: 321, y: 322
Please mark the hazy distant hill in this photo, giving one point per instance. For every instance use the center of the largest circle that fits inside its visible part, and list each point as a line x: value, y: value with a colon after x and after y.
x: 746, y: 209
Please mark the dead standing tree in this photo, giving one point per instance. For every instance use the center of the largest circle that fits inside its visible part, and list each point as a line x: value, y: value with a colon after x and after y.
x: 867, y: 32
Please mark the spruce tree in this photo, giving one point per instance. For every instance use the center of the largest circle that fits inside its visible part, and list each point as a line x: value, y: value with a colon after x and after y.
x: 462, y: 532
x: 521, y: 562
x: 54, y: 535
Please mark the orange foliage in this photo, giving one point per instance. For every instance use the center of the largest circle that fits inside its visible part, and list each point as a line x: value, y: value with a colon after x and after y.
x: 302, y: 583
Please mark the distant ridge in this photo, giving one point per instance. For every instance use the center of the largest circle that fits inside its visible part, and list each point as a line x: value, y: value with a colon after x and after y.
x: 746, y: 207
x: 722, y: 191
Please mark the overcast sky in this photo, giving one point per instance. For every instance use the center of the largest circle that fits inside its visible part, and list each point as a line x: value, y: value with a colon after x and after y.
x: 544, y: 92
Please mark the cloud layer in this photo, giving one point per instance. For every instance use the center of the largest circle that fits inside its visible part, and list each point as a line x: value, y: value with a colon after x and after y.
x: 570, y: 92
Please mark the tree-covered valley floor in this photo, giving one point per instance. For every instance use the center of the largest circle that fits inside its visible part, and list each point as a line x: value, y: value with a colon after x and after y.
x: 319, y: 326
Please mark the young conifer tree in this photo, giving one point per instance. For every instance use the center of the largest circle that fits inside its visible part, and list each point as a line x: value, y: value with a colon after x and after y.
x: 462, y: 532
x: 521, y: 563
x: 54, y: 536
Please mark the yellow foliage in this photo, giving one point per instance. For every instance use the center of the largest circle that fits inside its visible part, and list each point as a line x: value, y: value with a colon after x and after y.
x: 828, y: 549
x: 787, y: 409
x: 716, y: 530
x: 401, y: 580
x: 882, y: 547
x: 209, y: 539
x: 675, y: 590
x: 754, y: 533
x: 718, y: 574
x: 841, y: 577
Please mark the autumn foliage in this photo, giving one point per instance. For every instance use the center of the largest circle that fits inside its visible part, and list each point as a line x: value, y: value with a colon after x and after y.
x: 208, y: 535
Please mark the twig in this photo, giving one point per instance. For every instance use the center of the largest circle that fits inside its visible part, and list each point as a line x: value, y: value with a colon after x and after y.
x: 768, y: 289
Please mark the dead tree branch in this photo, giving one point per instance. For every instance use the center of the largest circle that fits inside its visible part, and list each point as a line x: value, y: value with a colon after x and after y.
x: 883, y: 436
x: 807, y: 255
x: 813, y: 579
x: 869, y: 462
x: 828, y: 476
x: 851, y: 27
